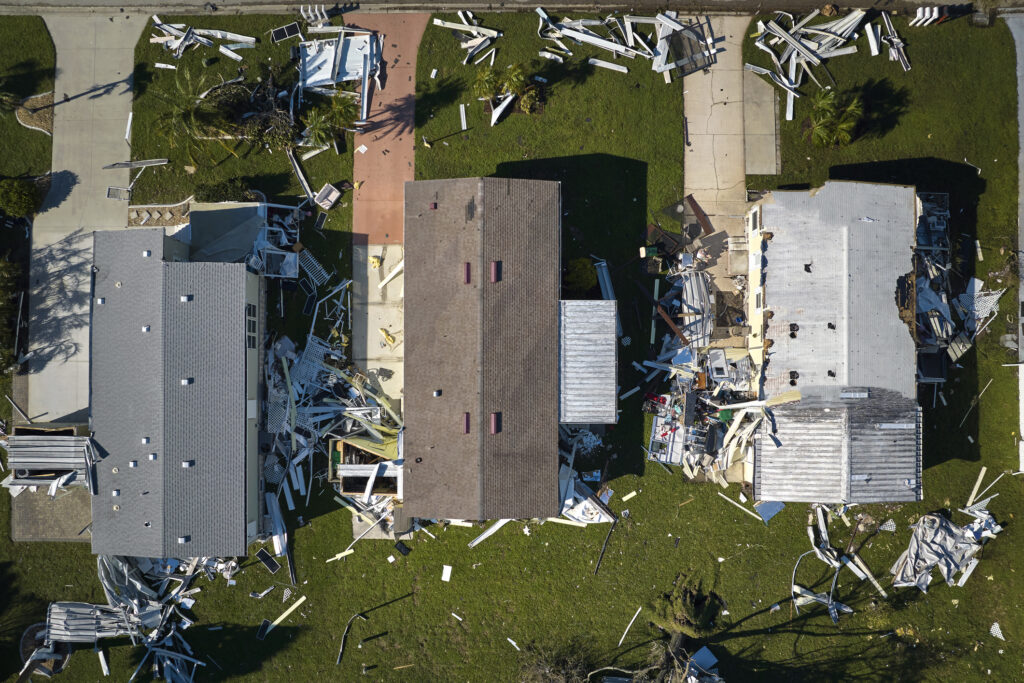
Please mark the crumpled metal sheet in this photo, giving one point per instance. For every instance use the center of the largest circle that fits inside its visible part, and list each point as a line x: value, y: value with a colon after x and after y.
x: 936, y: 542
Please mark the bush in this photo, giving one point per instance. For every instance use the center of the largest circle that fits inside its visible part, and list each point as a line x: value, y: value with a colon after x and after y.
x: 581, y: 276
x: 18, y: 197
x: 529, y: 100
x: 231, y: 190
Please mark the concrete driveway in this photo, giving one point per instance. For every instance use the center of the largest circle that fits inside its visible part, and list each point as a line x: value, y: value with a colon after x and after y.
x: 92, y: 93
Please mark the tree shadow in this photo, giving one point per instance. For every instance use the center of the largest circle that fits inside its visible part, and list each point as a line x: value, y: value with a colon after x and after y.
x: 435, y: 95
x: 142, y: 78
x: 943, y: 435
x: 884, y: 104
x: 17, y: 612
x: 60, y: 283
x: 61, y: 184
x: 233, y: 650
x: 604, y: 214
x: 574, y: 73
x: 24, y: 77
x: 396, y: 118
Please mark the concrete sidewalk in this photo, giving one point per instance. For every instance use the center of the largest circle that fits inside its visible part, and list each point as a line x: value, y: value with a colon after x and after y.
x: 92, y: 93
x: 714, y: 164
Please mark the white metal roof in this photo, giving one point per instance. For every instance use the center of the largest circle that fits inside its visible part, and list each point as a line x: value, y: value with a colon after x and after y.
x: 587, y: 356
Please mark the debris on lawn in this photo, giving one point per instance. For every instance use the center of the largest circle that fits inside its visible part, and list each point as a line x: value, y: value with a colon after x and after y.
x: 671, y: 44
x: 352, y: 55
x: 143, y: 595
x: 177, y: 38
x: 937, y: 541
x: 472, y: 37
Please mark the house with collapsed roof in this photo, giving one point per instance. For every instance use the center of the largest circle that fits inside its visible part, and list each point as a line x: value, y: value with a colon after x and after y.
x: 174, y: 399
x: 495, y: 360
x: 831, y: 309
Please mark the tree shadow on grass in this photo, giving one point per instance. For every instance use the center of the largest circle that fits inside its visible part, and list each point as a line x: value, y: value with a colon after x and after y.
x: 604, y: 214
x: 23, y: 79
x: 573, y: 73
x: 17, y: 612
x: 435, y: 95
x: 944, y: 437
x: 884, y: 104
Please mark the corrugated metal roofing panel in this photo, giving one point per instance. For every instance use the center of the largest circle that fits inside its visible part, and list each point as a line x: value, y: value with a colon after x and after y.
x: 587, y: 354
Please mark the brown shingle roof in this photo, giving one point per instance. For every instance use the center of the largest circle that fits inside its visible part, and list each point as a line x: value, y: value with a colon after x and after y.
x: 489, y: 347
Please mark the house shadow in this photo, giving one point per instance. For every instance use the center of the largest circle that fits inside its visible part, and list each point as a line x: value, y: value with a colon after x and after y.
x: 604, y: 215
x: 944, y: 436
x: 60, y: 280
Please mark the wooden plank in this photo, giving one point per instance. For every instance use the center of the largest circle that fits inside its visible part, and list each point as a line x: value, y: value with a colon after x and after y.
x: 672, y: 326
x: 702, y: 218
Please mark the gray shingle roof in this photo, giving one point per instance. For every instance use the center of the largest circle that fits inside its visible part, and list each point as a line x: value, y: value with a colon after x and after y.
x: 489, y: 347
x: 140, y: 407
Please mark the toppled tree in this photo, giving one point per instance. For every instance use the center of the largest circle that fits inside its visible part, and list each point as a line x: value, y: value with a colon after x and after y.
x: 569, y: 662
x: 190, y: 119
x: 686, y: 609
x: 834, y: 118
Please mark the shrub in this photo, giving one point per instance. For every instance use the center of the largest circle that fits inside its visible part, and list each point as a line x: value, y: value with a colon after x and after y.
x: 18, y: 197
x: 231, y: 190
x: 581, y: 276
x: 686, y: 609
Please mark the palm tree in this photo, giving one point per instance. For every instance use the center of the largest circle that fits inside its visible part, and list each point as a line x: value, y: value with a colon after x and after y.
x: 344, y: 112
x: 188, y: 120
x: 319, y: 128
x: 513, y: 80
x: 487, y: 84
x: 834, y: 118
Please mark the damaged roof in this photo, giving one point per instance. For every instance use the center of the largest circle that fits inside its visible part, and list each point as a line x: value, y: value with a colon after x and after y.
x: 862, y: 448
x: 832, y: 267
x: 168, y: 387
x: 481, y: 322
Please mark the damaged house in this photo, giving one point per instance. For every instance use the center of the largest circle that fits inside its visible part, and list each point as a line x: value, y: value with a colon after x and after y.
x: 833, y: 318
x: 494, y: 360
x: 174, y: 399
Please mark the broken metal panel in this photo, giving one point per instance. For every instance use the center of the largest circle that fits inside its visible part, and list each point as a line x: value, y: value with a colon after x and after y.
x: 587, y: 362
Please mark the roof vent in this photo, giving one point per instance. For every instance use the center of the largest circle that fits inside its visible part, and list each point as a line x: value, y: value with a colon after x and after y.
x: 187, y: 297
x: 437, y: 393
x: 145, y: 328
x: 188, y: 380
x: 152, y: 456
x: 465, y: 423
x: 115, y: 493
x: 831, y: 326
x: 188, y: 463
x: 184, y: 539
x: 495, y: 423
x: 100, y: 301
x: 147, y: 253
x: 145, y: 439
x: 807, y: 267
x: 495, y: 271
x: 467, y: 274
x: 133, y: 463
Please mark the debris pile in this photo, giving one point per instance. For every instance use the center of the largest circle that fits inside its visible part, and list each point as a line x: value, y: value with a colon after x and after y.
x: 804, y: 46
x: 946, y: 325
x: 473, y: 38
x: 939, y: 542
x: 671, y: 44
x: 821, y: 546
x: 143, y: 600
x: 177, y: 38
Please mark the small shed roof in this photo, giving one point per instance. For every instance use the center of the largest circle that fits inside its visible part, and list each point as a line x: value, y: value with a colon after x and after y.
x: 862, y: 447
x: 587, y: 359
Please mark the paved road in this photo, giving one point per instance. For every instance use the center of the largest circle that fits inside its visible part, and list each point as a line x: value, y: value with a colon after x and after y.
x: 263, y: 6
x: 95, y: 57
x: 1016, y: 24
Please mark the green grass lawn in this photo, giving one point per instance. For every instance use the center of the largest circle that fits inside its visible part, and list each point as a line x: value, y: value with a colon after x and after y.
x: 540, y: 590
x: 26, y: 68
